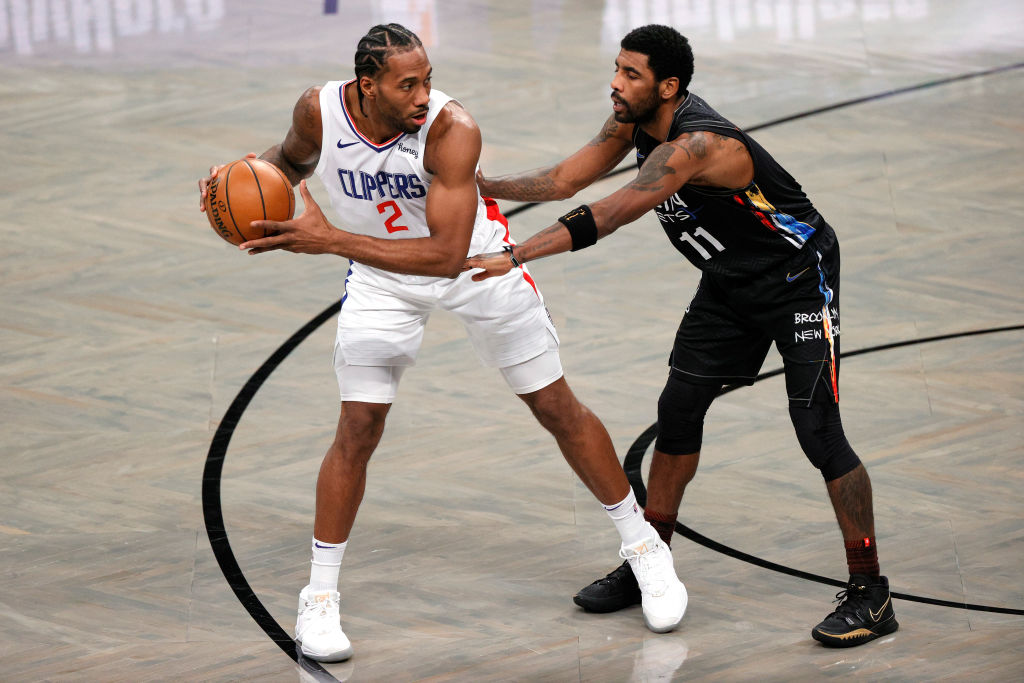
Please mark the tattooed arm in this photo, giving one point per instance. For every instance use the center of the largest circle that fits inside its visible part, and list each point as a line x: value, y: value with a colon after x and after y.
x: 667, y: 168
x: 569, y: 176
x: 700, y: 157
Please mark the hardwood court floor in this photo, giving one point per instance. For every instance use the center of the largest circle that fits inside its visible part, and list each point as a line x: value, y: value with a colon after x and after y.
x: 127, y: 328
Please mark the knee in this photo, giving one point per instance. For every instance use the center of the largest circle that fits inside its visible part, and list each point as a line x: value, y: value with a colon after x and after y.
x: 556, y: 408
x: 363, y: 426
x: 681, y: 410
x: 819, y: 430
x: 359, y: 432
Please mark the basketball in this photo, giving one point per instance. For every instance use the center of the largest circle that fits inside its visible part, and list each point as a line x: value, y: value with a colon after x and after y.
x: 244, y: 191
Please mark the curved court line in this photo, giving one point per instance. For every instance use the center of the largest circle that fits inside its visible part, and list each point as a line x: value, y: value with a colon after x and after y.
x: 213, y: 516
x: 635, y: 455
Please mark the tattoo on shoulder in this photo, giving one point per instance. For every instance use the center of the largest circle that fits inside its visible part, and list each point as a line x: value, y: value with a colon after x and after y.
x: 695, y: 145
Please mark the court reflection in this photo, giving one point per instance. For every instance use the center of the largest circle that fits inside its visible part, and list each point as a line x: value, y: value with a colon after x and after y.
x: 728, y: 20
x: 98, y: 27
x: 29, y: 27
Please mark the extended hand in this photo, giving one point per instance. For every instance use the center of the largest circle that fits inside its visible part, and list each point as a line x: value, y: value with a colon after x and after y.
x: 494, y: 264
x: 309, y: 233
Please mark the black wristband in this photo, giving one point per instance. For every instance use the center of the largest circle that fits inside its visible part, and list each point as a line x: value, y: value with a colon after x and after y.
x: 581, y: 226
x: 508, y: 249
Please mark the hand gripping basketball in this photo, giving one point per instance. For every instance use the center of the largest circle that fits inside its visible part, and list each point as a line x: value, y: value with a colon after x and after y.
x: 309, y: 233
x: 204, y: 183
x: 237, y: 194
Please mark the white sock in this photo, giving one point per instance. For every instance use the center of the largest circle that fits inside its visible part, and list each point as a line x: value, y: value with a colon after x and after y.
x: 325, y: 566
x: 629, y: 520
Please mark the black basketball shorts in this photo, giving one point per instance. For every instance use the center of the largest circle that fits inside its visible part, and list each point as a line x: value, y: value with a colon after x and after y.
x: 729, y: 326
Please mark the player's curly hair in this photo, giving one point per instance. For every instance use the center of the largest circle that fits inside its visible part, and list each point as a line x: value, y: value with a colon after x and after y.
x: 379, y: 43
x: 668, y: 52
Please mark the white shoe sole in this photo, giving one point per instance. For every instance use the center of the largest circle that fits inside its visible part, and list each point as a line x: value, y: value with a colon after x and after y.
x: 339, y: 656
x: 665, y: 628
x: 662, y: 629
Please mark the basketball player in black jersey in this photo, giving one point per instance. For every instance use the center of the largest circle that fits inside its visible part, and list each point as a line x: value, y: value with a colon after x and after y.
x: 770, y: 272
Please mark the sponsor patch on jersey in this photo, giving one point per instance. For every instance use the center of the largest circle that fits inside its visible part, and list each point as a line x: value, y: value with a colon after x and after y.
x: 411, y: 151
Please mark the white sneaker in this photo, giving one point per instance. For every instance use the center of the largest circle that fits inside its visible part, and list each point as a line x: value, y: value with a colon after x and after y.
x: 318, y: 627
x: 663, y: 595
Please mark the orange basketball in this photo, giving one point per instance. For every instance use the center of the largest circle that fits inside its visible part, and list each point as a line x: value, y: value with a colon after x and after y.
x: 244, y: 191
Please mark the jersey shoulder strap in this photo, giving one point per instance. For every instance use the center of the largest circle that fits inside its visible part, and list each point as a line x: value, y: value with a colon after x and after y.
x: 437, y: 102
x: 694, y: 114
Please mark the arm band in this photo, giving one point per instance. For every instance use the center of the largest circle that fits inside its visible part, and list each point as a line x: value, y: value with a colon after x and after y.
x: 581, y: 226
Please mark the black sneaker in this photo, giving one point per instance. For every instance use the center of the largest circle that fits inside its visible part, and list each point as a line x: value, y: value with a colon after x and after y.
x: 612, y: 593
x: 864, y: 613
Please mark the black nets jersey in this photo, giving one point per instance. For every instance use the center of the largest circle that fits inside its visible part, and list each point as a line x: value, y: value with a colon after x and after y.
x: 735, y: 232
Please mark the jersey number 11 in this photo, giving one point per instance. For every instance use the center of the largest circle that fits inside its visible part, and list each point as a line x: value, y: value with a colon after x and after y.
x: 692, y: 241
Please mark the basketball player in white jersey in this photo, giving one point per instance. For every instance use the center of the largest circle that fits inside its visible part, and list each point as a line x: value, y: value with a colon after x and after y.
x: 399, y: 162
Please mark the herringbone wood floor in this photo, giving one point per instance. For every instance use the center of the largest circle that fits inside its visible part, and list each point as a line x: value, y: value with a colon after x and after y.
x: 127, y: 327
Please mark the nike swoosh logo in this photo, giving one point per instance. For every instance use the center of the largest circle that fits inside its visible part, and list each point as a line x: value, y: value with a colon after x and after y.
x: 878, y: 615
x: 347, y: 144
x: 332, y: 547
x: 790, y: 278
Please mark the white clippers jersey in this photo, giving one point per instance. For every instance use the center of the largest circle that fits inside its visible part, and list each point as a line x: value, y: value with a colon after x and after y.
x: 381, y: 190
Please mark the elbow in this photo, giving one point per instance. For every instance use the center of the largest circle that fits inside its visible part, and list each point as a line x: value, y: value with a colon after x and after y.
x: 608, y: 218
x: 563, y: 190
x: 448, y: 267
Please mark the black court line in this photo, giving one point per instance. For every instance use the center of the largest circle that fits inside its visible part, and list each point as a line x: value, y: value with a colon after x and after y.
x: 213, y: 513
x: 635, y: 455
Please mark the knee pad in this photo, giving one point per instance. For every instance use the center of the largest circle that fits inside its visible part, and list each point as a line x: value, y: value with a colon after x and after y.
x: 681, y: 410
x: 820, y: 432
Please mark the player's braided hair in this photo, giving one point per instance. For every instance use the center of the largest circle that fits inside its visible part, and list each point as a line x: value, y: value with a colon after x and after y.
x: 376, y: 46
x: 668, y: 52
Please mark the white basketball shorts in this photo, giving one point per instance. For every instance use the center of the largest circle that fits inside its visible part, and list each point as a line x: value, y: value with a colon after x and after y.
x: 383, y: 317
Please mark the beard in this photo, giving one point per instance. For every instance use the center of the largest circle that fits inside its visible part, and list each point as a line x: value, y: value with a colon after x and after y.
x: 401, y: 122
x: 637, y: 112
x: 409, y: 128
x: 407, y: 125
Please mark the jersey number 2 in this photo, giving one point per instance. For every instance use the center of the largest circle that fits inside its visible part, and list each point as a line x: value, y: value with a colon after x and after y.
x: 390, y: 222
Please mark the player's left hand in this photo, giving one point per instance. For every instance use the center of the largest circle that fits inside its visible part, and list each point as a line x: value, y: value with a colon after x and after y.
x: 493, y: 264
x: 308, y: 233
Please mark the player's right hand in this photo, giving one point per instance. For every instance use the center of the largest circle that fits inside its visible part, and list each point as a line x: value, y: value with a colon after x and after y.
x: 493, y: 264
x: 204, y: 183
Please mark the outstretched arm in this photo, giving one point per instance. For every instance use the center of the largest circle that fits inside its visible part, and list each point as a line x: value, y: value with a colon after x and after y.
x: 691, y: 156
x: 452, y: 151
x: 592, y: 162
